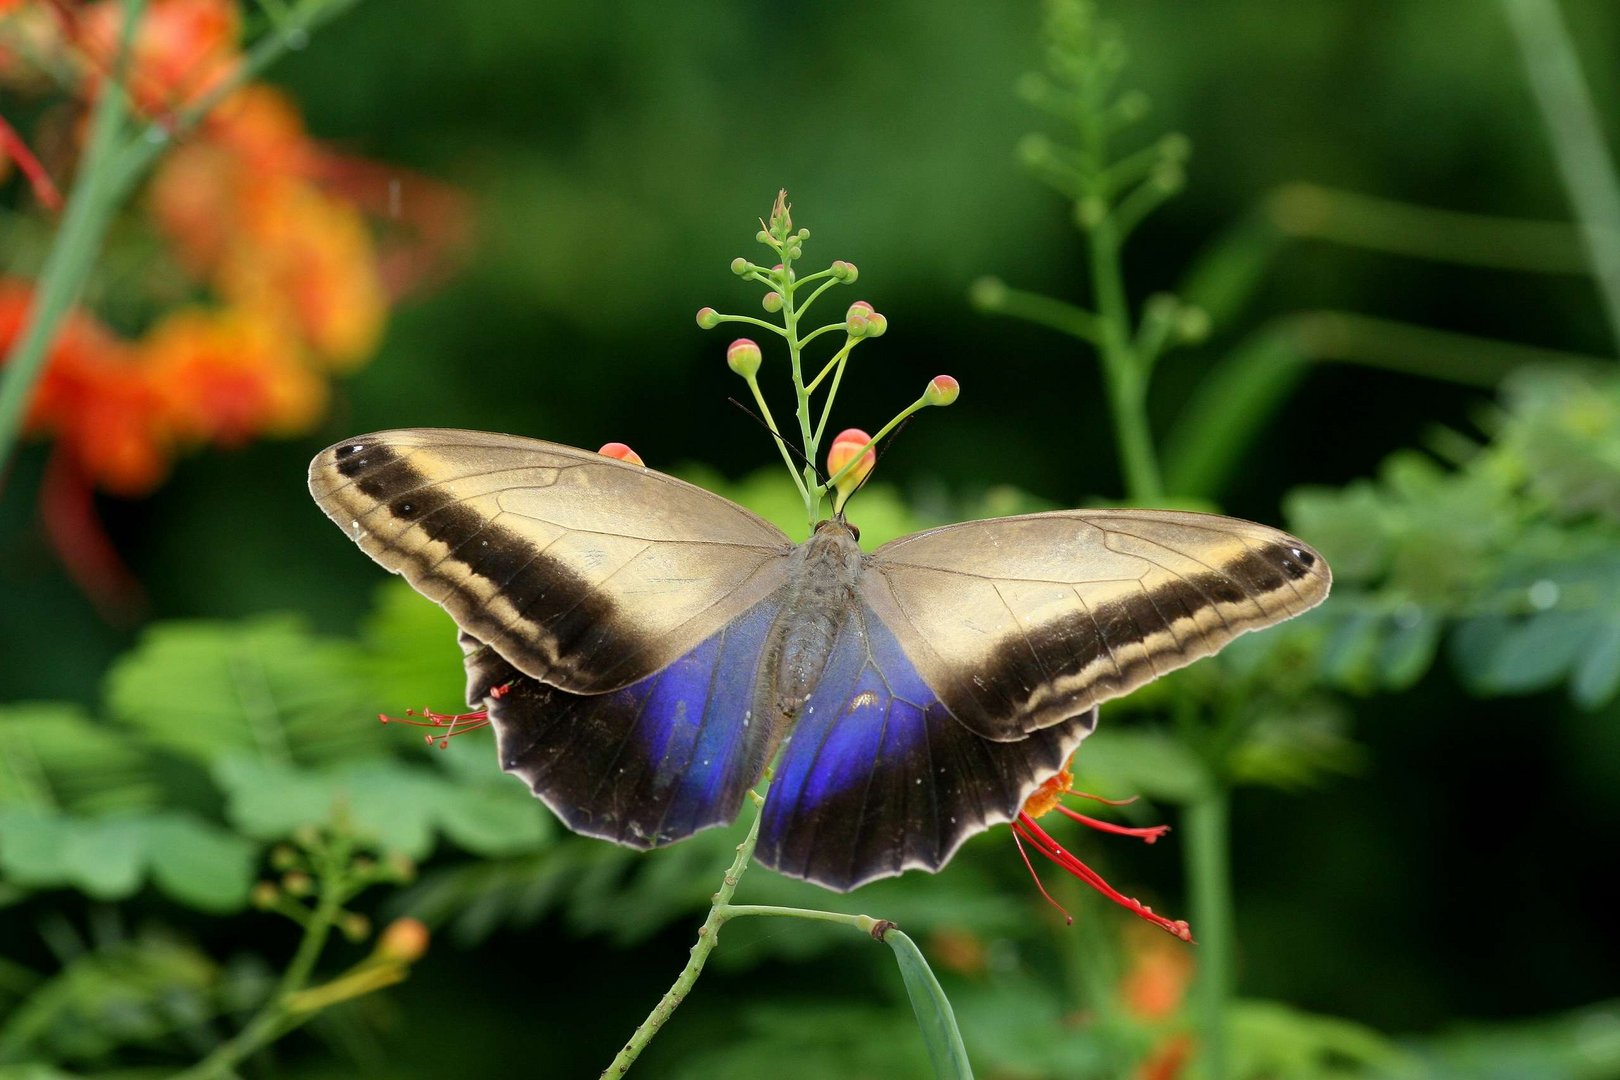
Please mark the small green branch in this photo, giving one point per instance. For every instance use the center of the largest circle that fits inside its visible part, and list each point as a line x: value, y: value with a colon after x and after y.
x: 708, y: 938
x: 1576, y: 135
x: 1312, y: 212
x: 863, y: 923
x: 1206, y: 829
x: 991, y: 295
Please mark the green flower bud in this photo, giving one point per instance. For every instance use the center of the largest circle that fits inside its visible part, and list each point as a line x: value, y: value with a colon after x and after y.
x: 844, y: 272
x: 740, y: 266
x: 876, y: 324
x: 297, y: 883
x: 283, y: 857
x: 264, y: 895
x: 354, y: 926
x: 744, y: 357
x: 803, y: 235
x: 942, y: 390
x: 988, y: 294
x: 772, y: 301
x: 763, y: 237
x: 1192, y: 324
x: 708, y: 318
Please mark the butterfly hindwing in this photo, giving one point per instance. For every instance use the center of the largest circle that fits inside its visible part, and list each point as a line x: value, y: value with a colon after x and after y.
x: 584, y: 572
x: 878, y: 776
x: 1021, y: 623
x: 649, y: 763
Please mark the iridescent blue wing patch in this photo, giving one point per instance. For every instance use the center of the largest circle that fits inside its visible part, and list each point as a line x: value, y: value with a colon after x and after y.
x: 878, y: 777
x: 645, y: 765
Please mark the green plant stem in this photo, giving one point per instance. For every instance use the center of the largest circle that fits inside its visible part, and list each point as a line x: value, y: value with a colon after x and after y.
x: 112, y: 166
x: 1576, y: 135
x: 1312, y: 212
x: 276, y: 1018
x: 863, y: 923
x: 1206, y: 830
x: 708, y: 938
x: 1124, y: 372
x: 72, y: 253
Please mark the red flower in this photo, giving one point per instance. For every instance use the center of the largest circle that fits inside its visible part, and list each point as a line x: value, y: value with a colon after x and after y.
x: 1048, y: 798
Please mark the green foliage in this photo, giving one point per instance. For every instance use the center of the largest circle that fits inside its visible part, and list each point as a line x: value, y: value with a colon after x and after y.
x: 1515, y: 550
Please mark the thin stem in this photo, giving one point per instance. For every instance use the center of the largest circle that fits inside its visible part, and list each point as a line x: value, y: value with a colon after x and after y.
x: 708, y: 938
x: 886, y: 429
x: 751, y: 321
x: 863, y: 923
x: 790, y: 321
x: 1059, y: 315
x: 781, y: 444
x: 72, y: 253
x: 818, y: 331
x: 823, y: 287
x: 1207, y: 824
x: 276, y: 1019
x: 1576, y: 135
x: 1122, y: 370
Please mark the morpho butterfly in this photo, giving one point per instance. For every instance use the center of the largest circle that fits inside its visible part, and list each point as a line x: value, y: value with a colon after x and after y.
x: 645, y: 648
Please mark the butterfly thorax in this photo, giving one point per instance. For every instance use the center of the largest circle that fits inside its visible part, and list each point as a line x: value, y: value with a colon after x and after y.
x: 819, y: 595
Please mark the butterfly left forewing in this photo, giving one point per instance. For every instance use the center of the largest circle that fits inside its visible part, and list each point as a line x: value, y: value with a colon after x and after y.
x: 584, y: 572
x: 1021, y: 623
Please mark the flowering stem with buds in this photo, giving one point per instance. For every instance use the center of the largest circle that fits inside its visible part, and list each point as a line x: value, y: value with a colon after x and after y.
x: 784, y: 286
x: 328, y: 868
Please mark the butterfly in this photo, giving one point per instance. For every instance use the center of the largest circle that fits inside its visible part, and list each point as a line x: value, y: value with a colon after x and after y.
x: 645, y: 648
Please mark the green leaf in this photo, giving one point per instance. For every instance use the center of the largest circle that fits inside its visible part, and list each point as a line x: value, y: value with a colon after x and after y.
x: 200, y: 864
x: 1149, y: 763
x: 935, y: 1019
x: 56, y: 756
x: 411, y: 658
x: 265, y: 686
x: 111, y: 857
x: 397, y: 806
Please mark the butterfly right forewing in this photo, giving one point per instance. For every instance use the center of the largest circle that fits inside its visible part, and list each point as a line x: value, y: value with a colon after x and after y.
x: 1021, y: 623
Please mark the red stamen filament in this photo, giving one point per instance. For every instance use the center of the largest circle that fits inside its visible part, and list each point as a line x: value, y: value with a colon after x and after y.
x: 1026, y: 828
x: 1022, y: 854
x: 450, y: 724
x: 1147, y: 835
x: 1099, y: 798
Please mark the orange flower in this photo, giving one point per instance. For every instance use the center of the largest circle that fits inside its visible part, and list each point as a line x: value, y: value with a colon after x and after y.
x: 1157, y: 975
x: 93, y: 397
x: 305, y: 261
x: 182, y: 49
x: 204, y: 192
x: 224, y: 377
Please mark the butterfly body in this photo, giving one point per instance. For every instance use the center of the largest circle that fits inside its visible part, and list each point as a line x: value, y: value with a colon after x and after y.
x: 645, y: 648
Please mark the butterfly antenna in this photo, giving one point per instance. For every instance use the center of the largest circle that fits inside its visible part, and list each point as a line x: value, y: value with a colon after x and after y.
x: 791, y: 449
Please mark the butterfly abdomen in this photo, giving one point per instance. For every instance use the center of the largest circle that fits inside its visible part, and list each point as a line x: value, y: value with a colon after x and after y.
x: 818, y: 597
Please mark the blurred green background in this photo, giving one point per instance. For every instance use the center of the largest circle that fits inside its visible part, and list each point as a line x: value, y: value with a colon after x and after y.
x: 617, y: 157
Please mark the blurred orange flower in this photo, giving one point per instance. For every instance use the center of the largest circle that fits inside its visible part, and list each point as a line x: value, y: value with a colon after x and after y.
x: 304, y: 260
x: 224, y: 377
x: 94, y: 398
x: 182, y: 48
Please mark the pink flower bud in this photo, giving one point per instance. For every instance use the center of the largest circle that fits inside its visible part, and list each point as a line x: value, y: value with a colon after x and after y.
x: 942, y: 390
x: 772, y: 301
x: 740, y: 266
x: 876, y: 324
x: 844, y: 271
x: 850, y: 444
x: 743, y: 357
x: 708, y: 318
x: 857, y: 318
x: 403, y: 941
x: 621, y: 452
